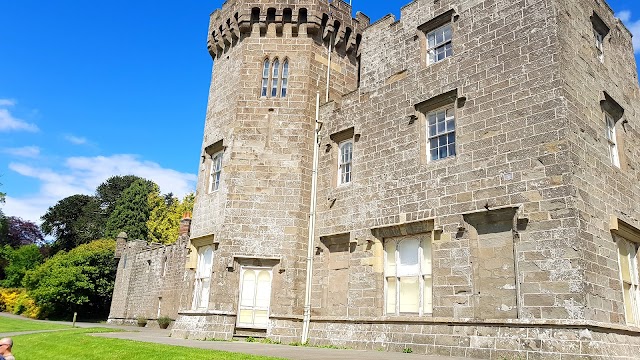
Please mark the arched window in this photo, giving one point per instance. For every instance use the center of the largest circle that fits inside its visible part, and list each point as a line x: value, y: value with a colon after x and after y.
x: 285, y: 78
x: 275, y: 79
x: 275, y: 76
x: 265, y: 78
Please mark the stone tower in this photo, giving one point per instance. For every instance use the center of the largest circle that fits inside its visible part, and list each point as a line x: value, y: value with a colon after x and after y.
x: 253, y: 193
x: 477, y: 186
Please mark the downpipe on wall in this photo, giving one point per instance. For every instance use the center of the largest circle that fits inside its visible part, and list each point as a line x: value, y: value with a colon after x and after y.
x: 312, y: 225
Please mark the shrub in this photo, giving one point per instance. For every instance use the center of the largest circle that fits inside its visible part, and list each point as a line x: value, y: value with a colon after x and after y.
x: 164, y: 322
x: 142, y: 321
x: 78, y: 281
x: 17, y: 301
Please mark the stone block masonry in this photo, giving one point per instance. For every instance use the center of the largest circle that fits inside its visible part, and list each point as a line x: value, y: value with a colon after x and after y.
x: 477, y: 183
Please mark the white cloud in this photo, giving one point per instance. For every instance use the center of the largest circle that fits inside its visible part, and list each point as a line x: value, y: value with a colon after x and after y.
x: 75, y: 139
x: 7, y: 102
x: 81, y: 175
x: 8, y: 122
x: 26, y: 151
x: 633, y: 26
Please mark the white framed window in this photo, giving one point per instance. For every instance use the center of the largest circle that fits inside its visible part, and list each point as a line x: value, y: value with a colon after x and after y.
x: 345, y: 158
x: 265, y: 78
x: 630, y: 277
x: 408, y: 275
x: 202, y: 283
x: 285, y: 78
x: 215, y: 171
x: 275, y: 77
x: 439, y: 44
x: 599, y: 42
x: 611, y: 139
x: 441, y: 133
x: 255, y: 297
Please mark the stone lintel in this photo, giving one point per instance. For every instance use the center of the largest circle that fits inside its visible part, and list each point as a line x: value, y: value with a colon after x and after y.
x: 624, y: 229
x: 408, y: 228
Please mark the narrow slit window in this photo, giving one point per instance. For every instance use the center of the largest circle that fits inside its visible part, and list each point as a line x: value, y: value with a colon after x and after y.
x: 344, y: 162
x: 265, y: 78
x: 630, y: 276
x: 599, y: 37
x: 285, y: 79
x: 611, y: 139
x: 216, y: 172
x: 275, y: 75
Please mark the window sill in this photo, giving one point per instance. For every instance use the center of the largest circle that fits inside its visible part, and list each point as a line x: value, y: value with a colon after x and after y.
x: 206, y: 312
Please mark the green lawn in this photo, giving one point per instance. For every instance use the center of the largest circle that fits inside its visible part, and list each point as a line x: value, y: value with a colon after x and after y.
x: 80, y: 344
x: 15, y: 325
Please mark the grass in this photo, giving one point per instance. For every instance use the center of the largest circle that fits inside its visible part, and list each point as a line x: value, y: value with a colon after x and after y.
x: 16, y: 325
x: 73, y: 343
x: 79, y: 344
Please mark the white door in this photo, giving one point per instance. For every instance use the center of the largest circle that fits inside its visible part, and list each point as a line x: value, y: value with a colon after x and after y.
x: 255, y: 297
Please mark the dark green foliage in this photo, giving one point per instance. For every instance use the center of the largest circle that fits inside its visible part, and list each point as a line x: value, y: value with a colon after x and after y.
x: 18, y: 262
x: 67, y: 222
x: 79, y: 280
x: 3, y: 220
x: 111, y: 190
x: 132, y: 211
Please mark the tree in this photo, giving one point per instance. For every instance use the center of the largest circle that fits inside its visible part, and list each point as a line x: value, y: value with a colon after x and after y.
x: 21, y: 232
x: 111, y: 190
x: 64, y: 221
x: 4, y: 227
x: 19, y: 261
x: 79, y: 280
x: 132, y: 211
x: 165, y: 216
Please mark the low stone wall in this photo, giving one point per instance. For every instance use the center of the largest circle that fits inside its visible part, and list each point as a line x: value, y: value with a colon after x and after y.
x: 475, y: 340
x: 204, y: 326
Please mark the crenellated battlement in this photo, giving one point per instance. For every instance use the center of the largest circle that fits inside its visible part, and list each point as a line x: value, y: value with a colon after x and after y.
x: 325, y: 21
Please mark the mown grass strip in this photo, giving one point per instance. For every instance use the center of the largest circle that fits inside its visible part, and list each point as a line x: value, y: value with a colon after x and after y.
x: 79, y: 344
x: 16, y: 325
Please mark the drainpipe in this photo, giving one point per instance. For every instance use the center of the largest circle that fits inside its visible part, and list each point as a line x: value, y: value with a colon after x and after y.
x: 312, y: 225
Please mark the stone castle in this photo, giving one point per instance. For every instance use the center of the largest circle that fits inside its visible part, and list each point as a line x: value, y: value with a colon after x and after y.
x: 461, y: 181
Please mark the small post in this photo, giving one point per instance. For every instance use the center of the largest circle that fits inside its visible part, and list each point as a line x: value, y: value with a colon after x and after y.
x: 75, y: 314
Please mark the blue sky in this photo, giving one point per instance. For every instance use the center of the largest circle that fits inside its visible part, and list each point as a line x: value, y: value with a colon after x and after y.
x: 94, y: 89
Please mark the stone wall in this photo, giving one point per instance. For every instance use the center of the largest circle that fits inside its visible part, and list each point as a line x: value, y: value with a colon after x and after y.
x: 516, y: 224
x: 149, y: 280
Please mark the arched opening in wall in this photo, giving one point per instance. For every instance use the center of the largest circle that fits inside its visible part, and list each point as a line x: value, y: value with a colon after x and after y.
x: 359, y: 71
x: 347, y: 36
x: 271, y: 15
x: 287, y: 15
x: 302, y: 16
x: 302, y: 19
x: 220, y: 34
x: 323, y: 27
x: 255, y: 17
x: 336, y: 32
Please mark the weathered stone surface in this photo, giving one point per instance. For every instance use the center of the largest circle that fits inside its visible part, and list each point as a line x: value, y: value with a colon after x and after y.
x: 523, y: 260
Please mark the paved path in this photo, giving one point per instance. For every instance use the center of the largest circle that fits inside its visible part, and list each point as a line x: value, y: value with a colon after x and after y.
x: 159, y: 336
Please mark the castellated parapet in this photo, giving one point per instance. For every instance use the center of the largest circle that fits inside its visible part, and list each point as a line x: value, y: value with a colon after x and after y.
x: 477, y: 181
x: 238, y: 19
